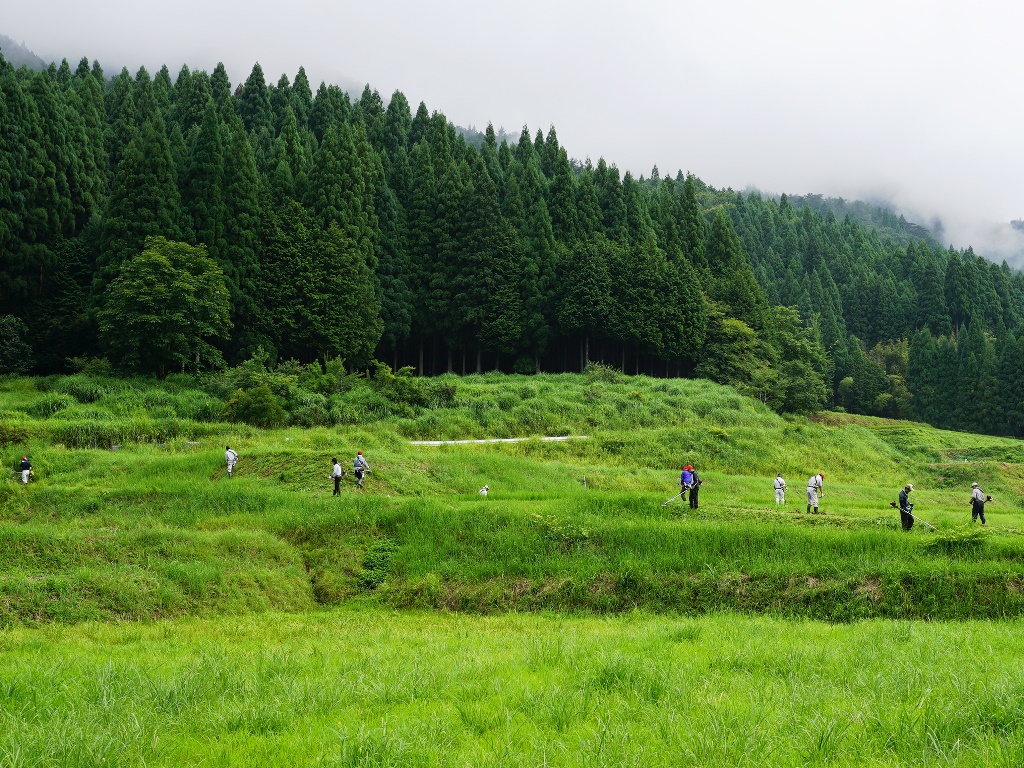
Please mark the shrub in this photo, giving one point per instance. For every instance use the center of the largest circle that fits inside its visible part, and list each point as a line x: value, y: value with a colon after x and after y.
x: 376, y: 563
x: 310, y: 410
x: 90, y: 366
x: 596, y: 371
x: 400, y: 387
x: 441, y: 395
x: 50, y: 405
x: 12, y: 432
x: 256, y: 406
x: 82, y: 388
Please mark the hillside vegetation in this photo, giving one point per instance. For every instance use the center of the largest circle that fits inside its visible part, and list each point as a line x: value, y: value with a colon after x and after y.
x: 131, y: 514
x: 172, y: 223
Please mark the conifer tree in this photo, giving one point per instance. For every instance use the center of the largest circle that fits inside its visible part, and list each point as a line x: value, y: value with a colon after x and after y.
x: 732, y: 281
x: 203, y: 195
x: 27, y: 192
x: 301, y: 98
x: 331, y: 107
x: 957, y: 291
x: 243, y: 197
x: 584, y: 290
x: 423, y: 240
x: 565, y: 219
x: 193, y: 93
x: 280, y: 99
x: 122, y: 120
x: 163, y: 92
x: 144, y: 200
x: 397, y: 124
x: 609, y: 197
x: 253, y: 104
x: 370, y: 109
x: 220, y: 90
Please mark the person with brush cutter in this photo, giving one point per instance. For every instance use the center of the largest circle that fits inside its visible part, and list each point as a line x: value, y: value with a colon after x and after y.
x: 360, y: 466
x: 978, y: 499
x: 814, y: 490
x: 906, y: 518
x: 780, y: 490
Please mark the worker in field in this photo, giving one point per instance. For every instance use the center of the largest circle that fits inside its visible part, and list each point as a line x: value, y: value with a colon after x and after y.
x: 483, y: 491
x: 695, y: 484
x: 780, y: 490
x: 360, y: 466
x: 814, y: 491
x: 978, y: 499
x: 685, y: 480
x: 231, y: 458
x: 26, y: 469
x: 336, y: 474
x: 906, y: 518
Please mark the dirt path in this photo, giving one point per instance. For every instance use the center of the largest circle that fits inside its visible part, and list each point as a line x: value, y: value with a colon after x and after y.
x: 500, y: 440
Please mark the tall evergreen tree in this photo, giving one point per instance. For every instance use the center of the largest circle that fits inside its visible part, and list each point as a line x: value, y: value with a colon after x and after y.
x: 144, y: 200
x: 254, y: 103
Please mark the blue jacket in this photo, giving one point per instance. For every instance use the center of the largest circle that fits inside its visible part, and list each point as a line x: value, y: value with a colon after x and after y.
x: 686, y: 478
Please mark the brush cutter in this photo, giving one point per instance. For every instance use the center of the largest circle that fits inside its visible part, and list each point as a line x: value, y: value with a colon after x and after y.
x: 674, y: 498
x: 894, y: 505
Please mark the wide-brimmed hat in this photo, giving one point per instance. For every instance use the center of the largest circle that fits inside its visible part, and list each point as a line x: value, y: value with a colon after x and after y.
x: 909, y: 486
x: 974, y: 485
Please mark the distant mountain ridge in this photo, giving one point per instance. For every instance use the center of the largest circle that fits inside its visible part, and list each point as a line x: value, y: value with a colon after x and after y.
x: 19, y: 55
x: 882, y: 218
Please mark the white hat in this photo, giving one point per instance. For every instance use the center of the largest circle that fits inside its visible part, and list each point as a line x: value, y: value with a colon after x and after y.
x: 974, y: 485
x: 910, y: 486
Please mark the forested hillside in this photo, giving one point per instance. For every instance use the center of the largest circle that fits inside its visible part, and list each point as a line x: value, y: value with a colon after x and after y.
x: 183, y: 222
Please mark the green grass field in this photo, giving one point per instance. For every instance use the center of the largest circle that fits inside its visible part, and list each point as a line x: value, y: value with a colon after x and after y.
x: 373, y: 688
x: 603, y: 628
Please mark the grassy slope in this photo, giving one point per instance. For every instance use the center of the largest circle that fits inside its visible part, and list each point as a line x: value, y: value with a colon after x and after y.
x: 155, y: 528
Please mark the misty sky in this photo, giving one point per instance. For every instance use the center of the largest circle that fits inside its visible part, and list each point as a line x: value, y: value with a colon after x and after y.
x: 911, y: 101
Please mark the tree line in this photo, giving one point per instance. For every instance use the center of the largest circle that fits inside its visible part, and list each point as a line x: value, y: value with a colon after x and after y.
x: 166, y: 221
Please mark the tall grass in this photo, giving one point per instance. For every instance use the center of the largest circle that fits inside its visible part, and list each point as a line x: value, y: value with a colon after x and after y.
x: 375, y: 688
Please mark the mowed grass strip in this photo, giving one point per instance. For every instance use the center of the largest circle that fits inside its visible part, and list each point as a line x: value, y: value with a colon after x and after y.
x: 370, y: 687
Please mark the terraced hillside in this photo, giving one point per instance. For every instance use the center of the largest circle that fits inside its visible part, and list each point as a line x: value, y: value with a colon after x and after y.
x: 131, y: 515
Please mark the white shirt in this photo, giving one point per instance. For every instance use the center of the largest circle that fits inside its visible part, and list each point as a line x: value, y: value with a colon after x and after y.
x: 230, y: 456
x: 779, y: 483
x: 814, y: 483
x: 977, y: 495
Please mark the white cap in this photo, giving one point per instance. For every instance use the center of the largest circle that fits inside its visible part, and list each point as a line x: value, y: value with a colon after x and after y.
x: 974, y: 485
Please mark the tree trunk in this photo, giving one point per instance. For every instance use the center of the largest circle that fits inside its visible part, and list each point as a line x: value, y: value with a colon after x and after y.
x: 421, y: 355
x: 478, y: 360
x: 450, y: 369
x: 586, y: 350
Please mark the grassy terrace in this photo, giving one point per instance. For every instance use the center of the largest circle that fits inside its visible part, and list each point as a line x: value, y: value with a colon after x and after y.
x: 155, y: 529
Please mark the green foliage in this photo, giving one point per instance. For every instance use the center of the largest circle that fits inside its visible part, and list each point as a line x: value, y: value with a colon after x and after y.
x: 596, y: 371
x: 560, y: 531
x: 164, y: 308
x: 48, y: 406
x: 256, y: 406
x: 400, y: 386
x: 15, y: 353
x: 964, y: 541
x: 377, y: 562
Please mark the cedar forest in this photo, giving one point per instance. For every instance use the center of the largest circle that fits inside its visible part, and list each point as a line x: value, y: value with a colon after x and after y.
x: 173, y: 224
